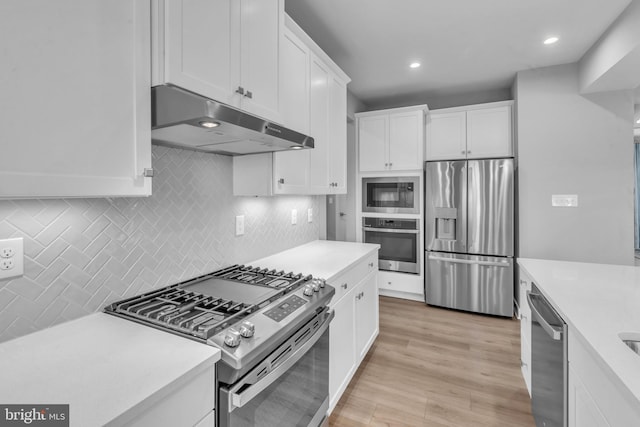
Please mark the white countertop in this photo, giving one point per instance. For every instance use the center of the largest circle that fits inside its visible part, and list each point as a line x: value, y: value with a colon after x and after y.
x: 598, y: 301
x: 101, y: 365
x: 321, y: 258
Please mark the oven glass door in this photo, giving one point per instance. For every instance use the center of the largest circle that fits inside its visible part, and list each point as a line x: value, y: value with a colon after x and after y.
x: 296, y: 396
x: 398, y: 249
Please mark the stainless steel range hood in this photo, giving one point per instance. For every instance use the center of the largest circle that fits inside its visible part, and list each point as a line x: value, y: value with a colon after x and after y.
x: 183, y: 119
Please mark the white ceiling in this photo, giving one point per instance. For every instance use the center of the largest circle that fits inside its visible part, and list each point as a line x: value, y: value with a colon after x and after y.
x: 464, y: 45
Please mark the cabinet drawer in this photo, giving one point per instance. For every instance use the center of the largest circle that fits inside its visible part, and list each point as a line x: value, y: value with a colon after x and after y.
x: 350, y: 278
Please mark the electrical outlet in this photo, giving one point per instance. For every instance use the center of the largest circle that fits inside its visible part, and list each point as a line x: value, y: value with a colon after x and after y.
x: 7, y: 252
x: 294, y: 216
x: 239, y: 225
x: 310, y: 215
x: 6, y: 264
x: 11, y: 258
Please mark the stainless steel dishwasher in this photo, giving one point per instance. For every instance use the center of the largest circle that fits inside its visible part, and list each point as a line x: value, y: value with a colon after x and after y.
x: 548, y: 362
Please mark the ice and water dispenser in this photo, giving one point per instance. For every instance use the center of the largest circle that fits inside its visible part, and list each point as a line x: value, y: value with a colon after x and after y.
x: 446, y: 223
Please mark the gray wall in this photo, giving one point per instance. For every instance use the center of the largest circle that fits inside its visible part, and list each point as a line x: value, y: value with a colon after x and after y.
x: 82, y: 254
x: 573, y: 144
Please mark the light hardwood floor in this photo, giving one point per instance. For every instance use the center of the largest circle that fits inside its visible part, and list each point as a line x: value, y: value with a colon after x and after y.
x: 438, y: 367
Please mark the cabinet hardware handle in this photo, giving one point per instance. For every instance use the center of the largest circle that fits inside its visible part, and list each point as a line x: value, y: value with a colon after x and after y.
x: 386, y: 165
x: 249, y: 94
x: 148, y: 173
x: 240, y: 90
x: 281, y: 181
x: 468, y: 151
x: 463, y: 152
x: 370, y: 264
x: 390, y: 164
x: 344, y: 286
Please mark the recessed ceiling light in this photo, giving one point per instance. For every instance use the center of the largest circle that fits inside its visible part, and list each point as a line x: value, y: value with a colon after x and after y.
x: 551, y: 40
x: 208, y: 124
x: 415, y: 65
x: 638, y: 121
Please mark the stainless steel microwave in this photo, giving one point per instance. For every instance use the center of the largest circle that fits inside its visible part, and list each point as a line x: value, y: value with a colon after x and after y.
x: 391, y: 195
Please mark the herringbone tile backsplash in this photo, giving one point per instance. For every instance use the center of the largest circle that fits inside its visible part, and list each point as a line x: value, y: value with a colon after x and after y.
x: 82, y: 254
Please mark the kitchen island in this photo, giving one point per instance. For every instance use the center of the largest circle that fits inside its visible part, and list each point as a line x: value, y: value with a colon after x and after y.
x: 598, y: 302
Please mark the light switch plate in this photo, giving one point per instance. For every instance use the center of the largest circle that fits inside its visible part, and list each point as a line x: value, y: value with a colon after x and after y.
x: 12, y: 258
x: 294, y: 216
x: 239, y: 225
x: 564, y: 200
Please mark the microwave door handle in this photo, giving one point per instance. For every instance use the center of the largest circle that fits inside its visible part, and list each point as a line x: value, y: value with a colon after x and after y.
x: 238, y: 400
x: 469, y: 261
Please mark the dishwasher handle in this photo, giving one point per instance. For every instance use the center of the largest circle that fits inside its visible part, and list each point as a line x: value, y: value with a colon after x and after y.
x: 555, y: 332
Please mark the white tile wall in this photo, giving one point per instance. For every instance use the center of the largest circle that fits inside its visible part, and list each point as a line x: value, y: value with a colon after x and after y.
x: 82, y: 254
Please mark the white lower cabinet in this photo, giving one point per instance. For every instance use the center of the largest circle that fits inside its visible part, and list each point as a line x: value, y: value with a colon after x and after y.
x: 525, y: 330
x: 188, y: 402
x: 595, y: 398
x: 355, y: 325
x: 583, y: 411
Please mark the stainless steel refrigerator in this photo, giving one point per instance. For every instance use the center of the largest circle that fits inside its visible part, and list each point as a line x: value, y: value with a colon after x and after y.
x: 469, y: 235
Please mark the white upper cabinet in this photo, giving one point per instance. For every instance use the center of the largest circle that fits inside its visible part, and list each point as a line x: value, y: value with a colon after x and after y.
x: 227, y: 50
x: 472, y: 132
x: 75, y: 117
x: 391, y: 140
x: 314, y: 102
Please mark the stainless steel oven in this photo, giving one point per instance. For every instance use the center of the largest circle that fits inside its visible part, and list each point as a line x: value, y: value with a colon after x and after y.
x: 399, y: 240
x: 290, y: 387
x: 391, y: 195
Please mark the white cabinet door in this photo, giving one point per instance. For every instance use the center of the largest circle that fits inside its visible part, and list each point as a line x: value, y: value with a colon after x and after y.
x: 342, y: 352
x: 489, y: 132
x: 295, y: 60
x: 372, y: 141
x: 338, y: 135
x: 446, y: 136
x: 583, y: 410
x: 202, y: 47
x: 366, y: 294
x: 75, y: 117
x: 319, y: 120
x: 261, y: 26
x: 291, y: 172
x: 525, y: 330
x: 406, y: 133
x: 290, y: 168
x: 227, y: 50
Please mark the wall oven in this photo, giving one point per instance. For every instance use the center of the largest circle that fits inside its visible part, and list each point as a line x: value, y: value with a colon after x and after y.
x: 391, y: 195
x: 399, y: 240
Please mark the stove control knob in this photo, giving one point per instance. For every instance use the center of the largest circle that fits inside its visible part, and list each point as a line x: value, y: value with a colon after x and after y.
x: 315, y: 285
x: 232, y: 338
x: 323, y: 283
x: 308, y: 290
x: 247, y: 329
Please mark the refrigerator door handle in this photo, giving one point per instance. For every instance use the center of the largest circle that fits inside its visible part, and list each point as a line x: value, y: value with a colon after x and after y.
x: 467, y: 261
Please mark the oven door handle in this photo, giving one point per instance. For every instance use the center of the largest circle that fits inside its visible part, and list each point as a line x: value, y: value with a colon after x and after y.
x: 390, y: 230
x: 238, y: 400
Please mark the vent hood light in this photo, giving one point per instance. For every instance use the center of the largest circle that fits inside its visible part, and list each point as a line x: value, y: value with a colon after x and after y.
x: 210, y: 125
x: 551, y: 40
x: 296, y: 147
